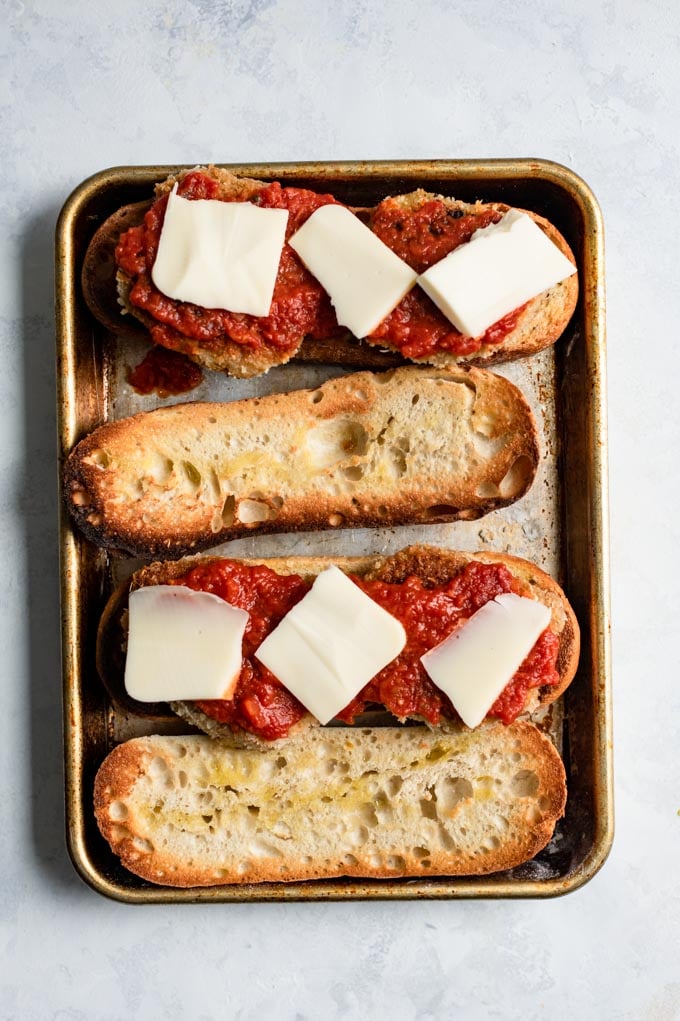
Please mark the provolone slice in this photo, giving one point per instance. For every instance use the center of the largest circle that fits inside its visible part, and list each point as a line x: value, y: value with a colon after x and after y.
x: 221, y: 255
x: 474, y: 664
x: 329, y: 646
x: 182, y: 644
x: 500, y: 268
x: 364, y: 278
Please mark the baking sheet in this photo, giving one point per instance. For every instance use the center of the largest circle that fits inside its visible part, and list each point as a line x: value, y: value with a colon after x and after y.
x: 561, y: 524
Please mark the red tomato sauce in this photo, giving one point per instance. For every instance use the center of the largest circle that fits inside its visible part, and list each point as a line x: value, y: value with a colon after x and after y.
x: 166, y: 372
x: 421, y: 238
x: 262, y: 706
x: 300, y: 306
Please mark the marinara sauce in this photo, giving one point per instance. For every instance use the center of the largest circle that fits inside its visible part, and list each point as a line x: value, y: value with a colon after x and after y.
x: 262, y: 706
x: 300, y: 306
x: 422, y: 237
x: 168, y: 373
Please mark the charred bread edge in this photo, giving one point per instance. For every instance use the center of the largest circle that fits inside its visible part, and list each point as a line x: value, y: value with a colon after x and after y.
x: 430, y: 563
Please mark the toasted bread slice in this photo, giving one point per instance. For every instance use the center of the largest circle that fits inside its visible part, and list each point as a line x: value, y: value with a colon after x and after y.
x: 539, y: 325
x: 432, y: 565
x: 409, y: 446
x: 381, y: 803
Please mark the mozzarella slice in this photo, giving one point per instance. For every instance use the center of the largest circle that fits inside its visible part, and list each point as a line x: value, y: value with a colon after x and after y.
x: 182, y: 644
x: 330, y: 645
x: 474, y: 664
x: 221, y: 255
x: 502, y: 266
x: 364, y: 278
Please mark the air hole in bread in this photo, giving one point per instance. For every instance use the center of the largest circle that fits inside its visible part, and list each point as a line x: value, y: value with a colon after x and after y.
x: 428, y: 808
x: 95, y: 519
x: 397, y: 461
x: 336, y: 440
x: 358, y: 836
x: 353, y: 472
x: 280, y: 762
x: 491, y: 843
x: 159, y: 771
x: 182, y: 778
x: 383, y: 510
x: 228, y: 511
x: 253, y: 512
x: 99, y: 458
x: 261, y: 849
x: 421, y: 852
x: 118, y: 811
x: 525, y: 784
x: 517, y: 478
x: 317, y: 396
x: 440, y: 510
x: 487, y: 490
x: 143, y: 845
x: 349, y: 859
x: 544, y: 803
x: 395, y: 861
x: 394, y: 785
x: 361, y: 395
x: 368, y: 815
x: 415, y: 399
x: 253, y: 810
x: 281, y: 831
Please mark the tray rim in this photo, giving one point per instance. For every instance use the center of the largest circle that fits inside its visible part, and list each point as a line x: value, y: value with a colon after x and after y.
x: 485, y: 887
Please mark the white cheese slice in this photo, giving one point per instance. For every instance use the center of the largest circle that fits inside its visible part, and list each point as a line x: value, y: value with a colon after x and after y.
x: 330, y: 645
x: 474, y: 664
x: 221, y: 255
x: 364, y: 278
x: 182, y: 644
x: 500, y: 268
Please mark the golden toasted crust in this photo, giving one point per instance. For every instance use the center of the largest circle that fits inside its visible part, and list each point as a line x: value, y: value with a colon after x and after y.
x: 413, y: 445
x: 381, y: 803
x: 541, y: 323
x: 434, y: 566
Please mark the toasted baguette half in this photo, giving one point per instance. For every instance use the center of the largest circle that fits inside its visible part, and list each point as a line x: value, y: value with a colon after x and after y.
x: 432, y: 565
x: 380, y: 803
x: 107, y: 294
x: 409, y: 446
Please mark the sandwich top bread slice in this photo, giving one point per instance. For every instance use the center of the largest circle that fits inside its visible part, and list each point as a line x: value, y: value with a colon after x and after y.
x: 432, y: 592
x: 421, y: 228
x: 383, y: 803
x: 412, y: 445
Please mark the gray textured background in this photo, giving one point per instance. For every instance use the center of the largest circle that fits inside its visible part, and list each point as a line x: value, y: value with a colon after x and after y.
x: 593, y: 85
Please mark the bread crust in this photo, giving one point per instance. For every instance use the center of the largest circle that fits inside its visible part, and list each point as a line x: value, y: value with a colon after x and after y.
x: 432, y: 565
x: 381, y: 803
x: 414, y: 445
x: 540, y: 324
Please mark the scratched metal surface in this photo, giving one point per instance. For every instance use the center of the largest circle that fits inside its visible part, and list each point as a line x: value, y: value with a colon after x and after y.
x: 560, y: 523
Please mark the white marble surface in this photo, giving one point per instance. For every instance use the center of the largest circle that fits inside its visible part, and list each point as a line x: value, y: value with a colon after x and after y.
x: 86, y: 85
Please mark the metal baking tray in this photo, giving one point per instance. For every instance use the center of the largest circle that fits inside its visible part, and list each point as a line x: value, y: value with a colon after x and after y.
x: 562, y: 523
